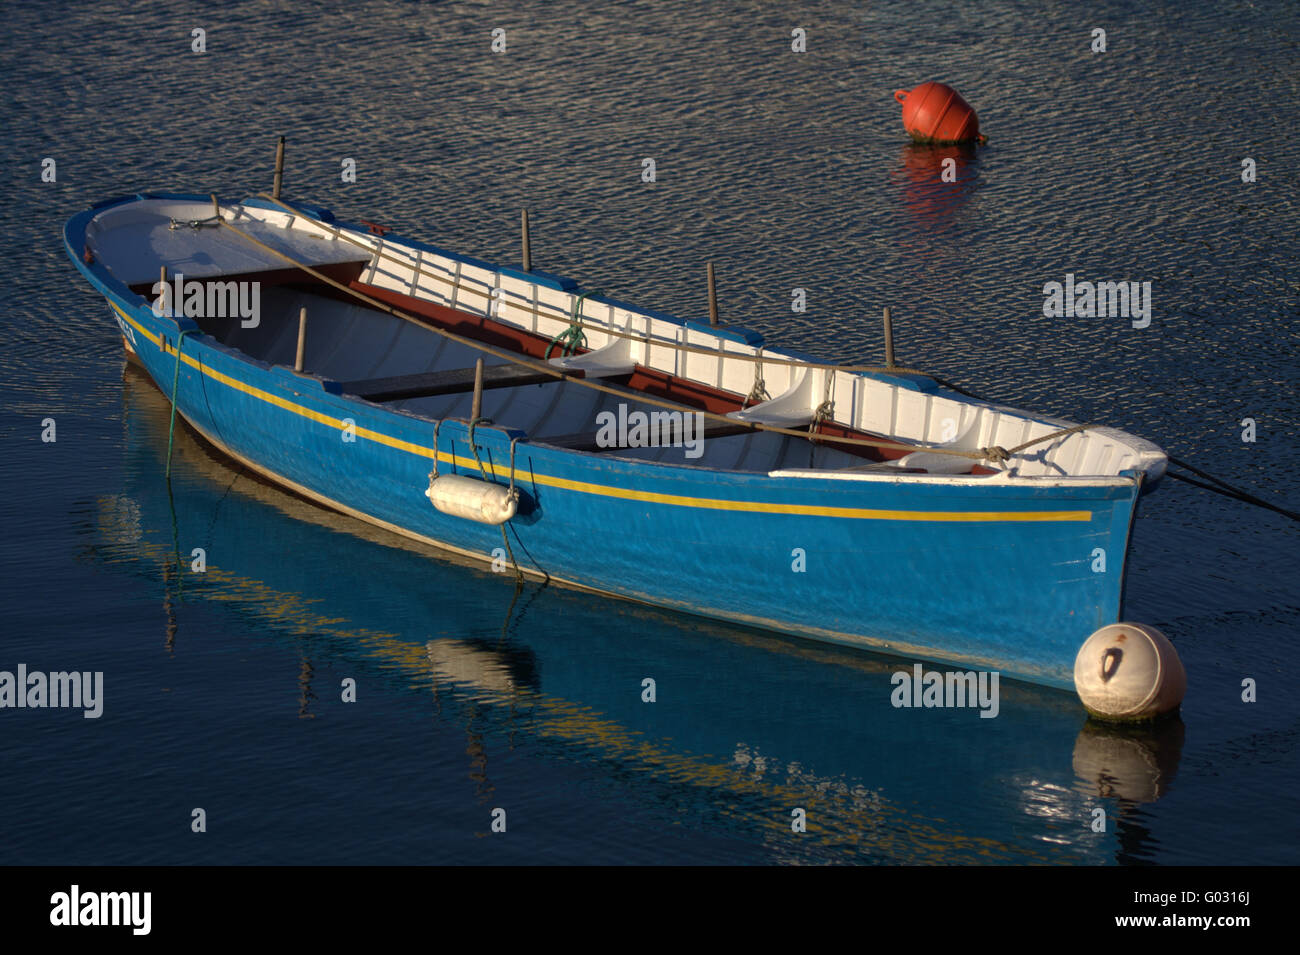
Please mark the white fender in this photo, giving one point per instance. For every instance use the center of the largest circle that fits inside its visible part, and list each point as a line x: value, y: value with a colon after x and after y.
x: 1129, y: 672
x: 472, y: 499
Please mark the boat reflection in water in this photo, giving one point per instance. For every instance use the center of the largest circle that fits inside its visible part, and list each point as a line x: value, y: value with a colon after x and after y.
x: 746, y: 726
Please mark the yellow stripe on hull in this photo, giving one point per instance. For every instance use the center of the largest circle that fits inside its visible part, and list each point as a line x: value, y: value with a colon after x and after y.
x: 605, y: 490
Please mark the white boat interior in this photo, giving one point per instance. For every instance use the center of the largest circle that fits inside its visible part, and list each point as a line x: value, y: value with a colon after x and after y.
x: 375, y: 354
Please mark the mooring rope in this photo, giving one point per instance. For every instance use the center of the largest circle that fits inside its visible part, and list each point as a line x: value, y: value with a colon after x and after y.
x: 176, y: 377
x: 1226, y: 489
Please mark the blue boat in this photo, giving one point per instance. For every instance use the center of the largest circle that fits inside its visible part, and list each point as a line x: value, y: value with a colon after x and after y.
x: 512, y: 417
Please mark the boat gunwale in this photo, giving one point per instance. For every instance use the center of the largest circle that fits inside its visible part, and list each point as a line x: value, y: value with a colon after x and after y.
x: 75, y: 233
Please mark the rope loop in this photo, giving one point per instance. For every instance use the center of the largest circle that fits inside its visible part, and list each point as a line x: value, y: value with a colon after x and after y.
x: 174, y: 224
x: 825, y: 412
x: 573, y: 337
x: 433, y: 475
x: 569, y: 340
x: 759, y: 392
x: 513, y: 442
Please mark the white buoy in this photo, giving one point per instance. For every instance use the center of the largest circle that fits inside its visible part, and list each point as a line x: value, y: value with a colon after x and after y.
x: 1129, y: 672
x: 472, y: 499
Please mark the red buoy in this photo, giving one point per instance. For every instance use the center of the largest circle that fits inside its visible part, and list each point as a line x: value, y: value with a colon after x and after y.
x: 936, y: 113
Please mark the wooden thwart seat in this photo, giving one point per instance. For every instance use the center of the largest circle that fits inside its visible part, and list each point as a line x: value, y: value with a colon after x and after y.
x: 454, y: 381
x: 586, y: 440
x: 430, y: 384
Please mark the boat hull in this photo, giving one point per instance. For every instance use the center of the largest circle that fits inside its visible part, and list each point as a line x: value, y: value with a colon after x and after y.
x: 975, y: 573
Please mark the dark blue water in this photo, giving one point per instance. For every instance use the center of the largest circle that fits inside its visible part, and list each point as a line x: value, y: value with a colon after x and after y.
x: 223, y: 689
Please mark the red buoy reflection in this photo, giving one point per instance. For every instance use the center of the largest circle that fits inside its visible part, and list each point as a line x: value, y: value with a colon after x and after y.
x: 938, y: 180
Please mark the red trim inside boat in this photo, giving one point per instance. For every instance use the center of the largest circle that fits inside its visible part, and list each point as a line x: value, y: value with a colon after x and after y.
x: 647, y: 380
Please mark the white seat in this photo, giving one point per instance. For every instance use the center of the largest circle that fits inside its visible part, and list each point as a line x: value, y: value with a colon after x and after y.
x: 609, y: 361
x: 793, y: 408
x: 946, y: 463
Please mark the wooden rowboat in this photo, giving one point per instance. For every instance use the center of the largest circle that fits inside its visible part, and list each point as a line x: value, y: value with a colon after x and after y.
x: 617, y: 448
